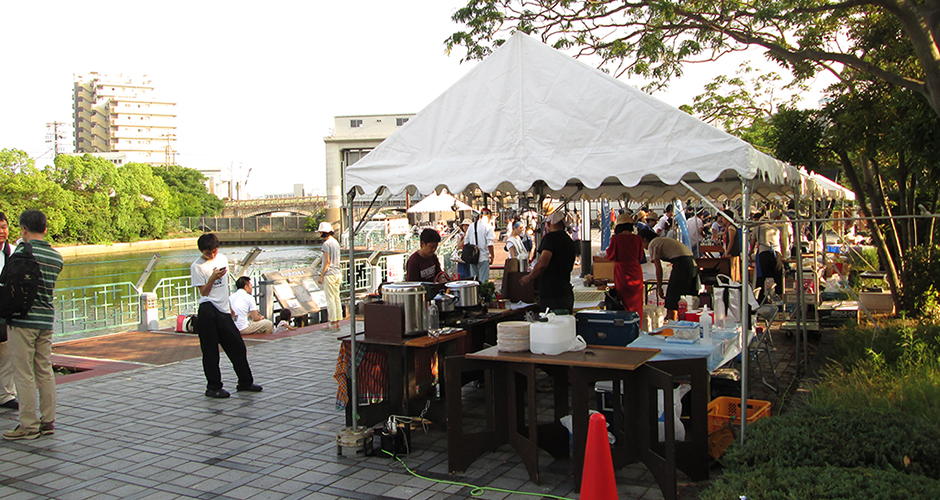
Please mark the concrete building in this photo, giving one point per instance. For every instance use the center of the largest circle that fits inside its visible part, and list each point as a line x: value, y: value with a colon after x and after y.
x: 353, y: 137
x: 122, y: 114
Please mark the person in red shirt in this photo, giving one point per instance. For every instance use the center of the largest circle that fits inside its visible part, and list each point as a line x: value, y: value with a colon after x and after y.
x: 626, y: 251
x: 424, y: 265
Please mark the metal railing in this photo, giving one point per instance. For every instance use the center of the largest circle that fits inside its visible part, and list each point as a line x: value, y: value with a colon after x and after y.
x: 116, y: 307
x: 244, y: 224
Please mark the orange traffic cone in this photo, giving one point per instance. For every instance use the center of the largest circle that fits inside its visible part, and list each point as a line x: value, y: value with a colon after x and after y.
x: 597, y: 479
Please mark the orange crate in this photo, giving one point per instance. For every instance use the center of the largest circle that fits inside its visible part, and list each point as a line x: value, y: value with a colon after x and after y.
x: 723, y: 410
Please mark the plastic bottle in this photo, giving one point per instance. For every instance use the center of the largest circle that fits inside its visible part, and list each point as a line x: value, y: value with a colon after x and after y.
x: 434, y: 317
x: 719, y: 311
x: 683, y: 307
x: 705, y: 324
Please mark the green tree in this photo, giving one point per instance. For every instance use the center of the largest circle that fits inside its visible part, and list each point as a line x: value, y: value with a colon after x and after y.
x: 90, y: 182
x: 140, y: 205
x: 653, y: 38
x: 23, y: 187
x: 188, y: 194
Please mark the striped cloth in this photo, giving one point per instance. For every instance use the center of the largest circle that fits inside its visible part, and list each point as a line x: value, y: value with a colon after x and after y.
x: 42, y: 314
x: 371, y: 376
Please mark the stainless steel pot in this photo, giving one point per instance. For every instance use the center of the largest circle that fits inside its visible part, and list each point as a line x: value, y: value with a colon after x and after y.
x: 445, y: 302
x: 410, y: 295
x: 467, y: 292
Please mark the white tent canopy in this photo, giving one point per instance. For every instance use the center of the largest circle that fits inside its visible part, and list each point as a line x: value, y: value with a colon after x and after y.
x: 529, y: 113
x: 443, y: 202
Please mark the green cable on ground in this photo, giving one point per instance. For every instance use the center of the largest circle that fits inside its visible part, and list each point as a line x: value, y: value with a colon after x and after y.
x: 474, y: 490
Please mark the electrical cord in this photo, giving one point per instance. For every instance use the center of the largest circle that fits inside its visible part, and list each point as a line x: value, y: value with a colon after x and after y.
x: 474, y: 490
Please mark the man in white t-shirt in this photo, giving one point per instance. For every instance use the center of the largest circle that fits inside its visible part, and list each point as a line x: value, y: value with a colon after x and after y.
x: 696, y: 232
x: 7, y: 389
x: 247, y: 318
x: 664, y: 222
x: 214, y: 324
x: 481, y: 234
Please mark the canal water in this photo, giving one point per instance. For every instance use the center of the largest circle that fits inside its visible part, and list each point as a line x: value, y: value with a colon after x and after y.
x: 128, y: 267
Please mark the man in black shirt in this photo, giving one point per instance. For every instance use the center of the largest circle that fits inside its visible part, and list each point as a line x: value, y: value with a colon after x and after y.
x: 554, y: 265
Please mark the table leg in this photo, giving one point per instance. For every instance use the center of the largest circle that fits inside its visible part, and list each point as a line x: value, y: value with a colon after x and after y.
x: 464, y: 448
x: 692, y: 454
x: 662, y: 466
x: 523, y: 416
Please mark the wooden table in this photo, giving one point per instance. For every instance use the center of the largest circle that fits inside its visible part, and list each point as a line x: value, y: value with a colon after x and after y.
x: 511, y: 414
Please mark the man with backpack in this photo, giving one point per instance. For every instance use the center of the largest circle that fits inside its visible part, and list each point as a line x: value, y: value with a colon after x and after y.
x: 7, y: 388
x: 30, y: 331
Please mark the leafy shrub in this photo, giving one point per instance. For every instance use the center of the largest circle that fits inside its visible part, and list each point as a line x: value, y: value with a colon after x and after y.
x: 839, y: 437
x: 829, y: 482
x: 921, y: 273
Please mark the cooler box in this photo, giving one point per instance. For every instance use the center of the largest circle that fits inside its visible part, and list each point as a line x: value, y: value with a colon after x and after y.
x: 614, y: 328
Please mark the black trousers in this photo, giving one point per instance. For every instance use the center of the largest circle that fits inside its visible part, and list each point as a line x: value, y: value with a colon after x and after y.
x: 768, y: 269
x: 564, y: 301
x: 216, y: 328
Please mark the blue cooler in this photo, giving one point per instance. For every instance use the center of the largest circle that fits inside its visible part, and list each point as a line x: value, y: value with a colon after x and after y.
x: 614, y: 328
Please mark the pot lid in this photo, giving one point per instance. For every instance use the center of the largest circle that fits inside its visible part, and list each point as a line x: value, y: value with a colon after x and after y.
x: 404, y: 286
x: 463, y: 284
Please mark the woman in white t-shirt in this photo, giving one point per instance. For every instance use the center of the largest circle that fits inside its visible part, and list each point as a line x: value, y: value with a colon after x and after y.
x: 516, y: 247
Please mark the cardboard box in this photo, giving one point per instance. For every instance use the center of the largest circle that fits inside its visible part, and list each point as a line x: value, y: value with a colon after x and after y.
x: 514, y: 291
x: 877, y: 302
x: 603, y: 269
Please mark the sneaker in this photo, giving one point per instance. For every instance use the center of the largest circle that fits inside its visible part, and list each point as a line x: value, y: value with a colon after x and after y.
x: 218, y: 393
x: 10, y: 405
x: 249, y: 388
x: 21, y: 433
x: 47, y: 428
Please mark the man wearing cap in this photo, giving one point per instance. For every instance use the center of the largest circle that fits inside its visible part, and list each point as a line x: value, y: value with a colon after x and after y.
x: 330, y: 275
x: 554, y: 265
x: 684, y: 278
x: 481, y: 234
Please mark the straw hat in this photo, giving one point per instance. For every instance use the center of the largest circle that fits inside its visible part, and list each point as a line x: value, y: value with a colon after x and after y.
x: 557, y: 216
x: 624, y: 219
x: 465, y: 222
x: 325, y: 227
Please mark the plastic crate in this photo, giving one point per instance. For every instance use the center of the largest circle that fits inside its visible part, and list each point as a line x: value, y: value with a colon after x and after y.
x: 724, y: 409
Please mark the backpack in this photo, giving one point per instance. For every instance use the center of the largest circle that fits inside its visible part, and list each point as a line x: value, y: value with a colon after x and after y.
x: 19, y: 283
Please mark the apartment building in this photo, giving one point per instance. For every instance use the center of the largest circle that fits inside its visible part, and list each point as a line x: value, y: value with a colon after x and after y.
x: 352, y: 138
x: 122, y: 114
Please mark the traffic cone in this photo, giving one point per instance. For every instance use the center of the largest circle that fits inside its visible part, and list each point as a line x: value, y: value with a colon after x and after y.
x: 597, y: 478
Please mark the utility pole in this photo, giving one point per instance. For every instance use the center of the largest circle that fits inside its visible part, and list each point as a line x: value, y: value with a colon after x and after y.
x: 55, y: 136
x: 170, y: 152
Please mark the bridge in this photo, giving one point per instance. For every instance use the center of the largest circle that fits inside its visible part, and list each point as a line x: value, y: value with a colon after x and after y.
x: 300, y: 205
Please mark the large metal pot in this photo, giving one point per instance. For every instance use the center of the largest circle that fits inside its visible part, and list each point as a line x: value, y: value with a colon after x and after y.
x: 467, y: 292
x: 410, y: 295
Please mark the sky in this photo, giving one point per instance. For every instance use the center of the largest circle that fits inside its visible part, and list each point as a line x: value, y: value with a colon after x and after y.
x: 256, y: 84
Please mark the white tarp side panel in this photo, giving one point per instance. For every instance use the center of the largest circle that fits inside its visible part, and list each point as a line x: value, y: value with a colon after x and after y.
x: 529, y: 113
x: 434, y: 202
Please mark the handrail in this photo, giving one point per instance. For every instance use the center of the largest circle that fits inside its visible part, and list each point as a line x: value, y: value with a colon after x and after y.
x: 114, y: 307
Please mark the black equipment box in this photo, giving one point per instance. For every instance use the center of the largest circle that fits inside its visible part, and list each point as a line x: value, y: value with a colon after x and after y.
x: 613, y: 328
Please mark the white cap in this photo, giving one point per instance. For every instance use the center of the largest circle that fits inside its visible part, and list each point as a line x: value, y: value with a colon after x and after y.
x: 556, y: 217
x: 325, y: 227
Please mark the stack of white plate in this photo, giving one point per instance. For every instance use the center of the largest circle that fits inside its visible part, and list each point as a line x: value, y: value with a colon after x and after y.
x: 512, y: 336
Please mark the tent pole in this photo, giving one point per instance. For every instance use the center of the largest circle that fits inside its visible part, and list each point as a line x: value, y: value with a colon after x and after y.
x: 587, y: 262
x: 745, y: 290
x: 354, y: 396
x: 798, y: 288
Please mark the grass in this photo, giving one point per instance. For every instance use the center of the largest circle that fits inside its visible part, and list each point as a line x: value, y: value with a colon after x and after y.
x: 896, y: 370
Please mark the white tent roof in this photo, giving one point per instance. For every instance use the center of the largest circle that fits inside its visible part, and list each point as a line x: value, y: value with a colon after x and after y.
x: 529, y: 113
x: 434, y: 202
